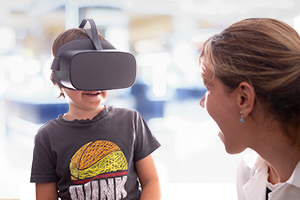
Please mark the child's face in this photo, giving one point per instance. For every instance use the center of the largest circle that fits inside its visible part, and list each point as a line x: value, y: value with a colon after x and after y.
x: 84, y: 100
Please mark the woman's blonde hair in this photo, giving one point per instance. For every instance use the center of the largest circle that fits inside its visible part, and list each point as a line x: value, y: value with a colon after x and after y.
x: 266, y: 54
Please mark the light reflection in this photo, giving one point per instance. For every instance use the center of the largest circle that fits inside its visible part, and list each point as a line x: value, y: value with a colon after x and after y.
x: 17, y: 70
x: 33, y: 66
x: 37, y: 83
x: 158, y: 62
x: 118, y: 37
x: 7, y: 39
x: 173, y: 79
x: 2, y: 81
x: 47, y: 70
x: 159, y: 80
x: 20, y: 125
x: 183, y: 56
x: 296, y: 24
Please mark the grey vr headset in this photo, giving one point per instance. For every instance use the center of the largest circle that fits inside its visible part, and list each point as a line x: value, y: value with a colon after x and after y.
x: 93, y: 64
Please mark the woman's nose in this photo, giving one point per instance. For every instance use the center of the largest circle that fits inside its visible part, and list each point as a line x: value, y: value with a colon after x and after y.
x: 202, y: 102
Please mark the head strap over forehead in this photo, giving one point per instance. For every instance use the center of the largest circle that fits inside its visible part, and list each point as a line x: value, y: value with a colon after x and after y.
x: 93, y: 35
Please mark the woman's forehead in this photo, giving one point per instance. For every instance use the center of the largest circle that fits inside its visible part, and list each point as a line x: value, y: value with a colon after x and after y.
x: 205, y: 66
x: 206, y: 72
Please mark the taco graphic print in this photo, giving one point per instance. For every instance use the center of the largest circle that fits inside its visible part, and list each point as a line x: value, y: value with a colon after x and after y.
x: 98, y: 170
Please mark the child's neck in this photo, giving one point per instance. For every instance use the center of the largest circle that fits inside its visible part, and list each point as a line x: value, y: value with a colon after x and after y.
x: 82, y: 114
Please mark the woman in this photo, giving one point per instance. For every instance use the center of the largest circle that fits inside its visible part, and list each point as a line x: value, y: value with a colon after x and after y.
x: 252, y: 74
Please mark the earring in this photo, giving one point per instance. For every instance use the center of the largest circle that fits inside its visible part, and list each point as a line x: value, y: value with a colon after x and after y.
x: 242, y: 117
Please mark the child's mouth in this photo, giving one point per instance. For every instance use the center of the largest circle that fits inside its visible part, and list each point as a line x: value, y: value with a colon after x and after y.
x: 92, y: 93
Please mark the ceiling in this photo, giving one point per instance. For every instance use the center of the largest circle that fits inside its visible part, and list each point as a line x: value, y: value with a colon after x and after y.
x: 216, y: 12
x: 147, y: 18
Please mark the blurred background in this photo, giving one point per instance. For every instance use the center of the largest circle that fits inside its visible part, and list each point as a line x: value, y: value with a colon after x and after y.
x: 165, y: 36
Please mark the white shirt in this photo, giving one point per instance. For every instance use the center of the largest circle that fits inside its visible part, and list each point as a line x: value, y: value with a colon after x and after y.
x: 252, y: 176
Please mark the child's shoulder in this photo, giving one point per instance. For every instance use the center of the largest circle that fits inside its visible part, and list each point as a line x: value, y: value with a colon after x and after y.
x: 48, y: 126
x: 123, y: 111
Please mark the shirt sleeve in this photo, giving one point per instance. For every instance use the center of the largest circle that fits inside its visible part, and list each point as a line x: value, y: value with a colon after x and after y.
x: 44, y: 160
x: 145, y: 142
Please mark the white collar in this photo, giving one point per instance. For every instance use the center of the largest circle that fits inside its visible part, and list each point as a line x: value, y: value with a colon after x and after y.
x: 256, y: 186
x: 254, y: 161
x: 295, y: 178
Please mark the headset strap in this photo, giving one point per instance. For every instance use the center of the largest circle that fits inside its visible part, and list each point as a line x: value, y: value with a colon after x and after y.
x: 92, y: 35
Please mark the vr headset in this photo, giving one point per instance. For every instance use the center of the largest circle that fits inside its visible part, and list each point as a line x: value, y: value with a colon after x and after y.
x: 93, y: 64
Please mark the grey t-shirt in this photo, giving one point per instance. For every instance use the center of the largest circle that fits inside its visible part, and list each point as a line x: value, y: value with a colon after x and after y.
x: 93, y: 159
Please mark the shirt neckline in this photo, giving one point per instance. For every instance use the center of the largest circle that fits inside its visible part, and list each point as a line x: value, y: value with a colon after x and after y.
x: 99, y: 116
x: 275, y: 186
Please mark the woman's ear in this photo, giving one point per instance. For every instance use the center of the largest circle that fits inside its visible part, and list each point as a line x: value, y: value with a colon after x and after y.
x: 246, y: 98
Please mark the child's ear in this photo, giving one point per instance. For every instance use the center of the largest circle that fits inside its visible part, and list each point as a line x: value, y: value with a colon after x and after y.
x: 62, y: 94
x: 246, y: 98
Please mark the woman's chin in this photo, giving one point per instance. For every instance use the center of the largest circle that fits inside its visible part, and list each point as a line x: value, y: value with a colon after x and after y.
x: 229, y: 148
x: 221, y: 136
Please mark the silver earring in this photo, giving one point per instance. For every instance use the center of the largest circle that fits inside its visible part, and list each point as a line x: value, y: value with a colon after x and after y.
x: 242, y: 117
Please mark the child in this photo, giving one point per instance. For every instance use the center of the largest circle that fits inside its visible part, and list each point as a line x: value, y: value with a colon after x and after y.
x: 93, y: 151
